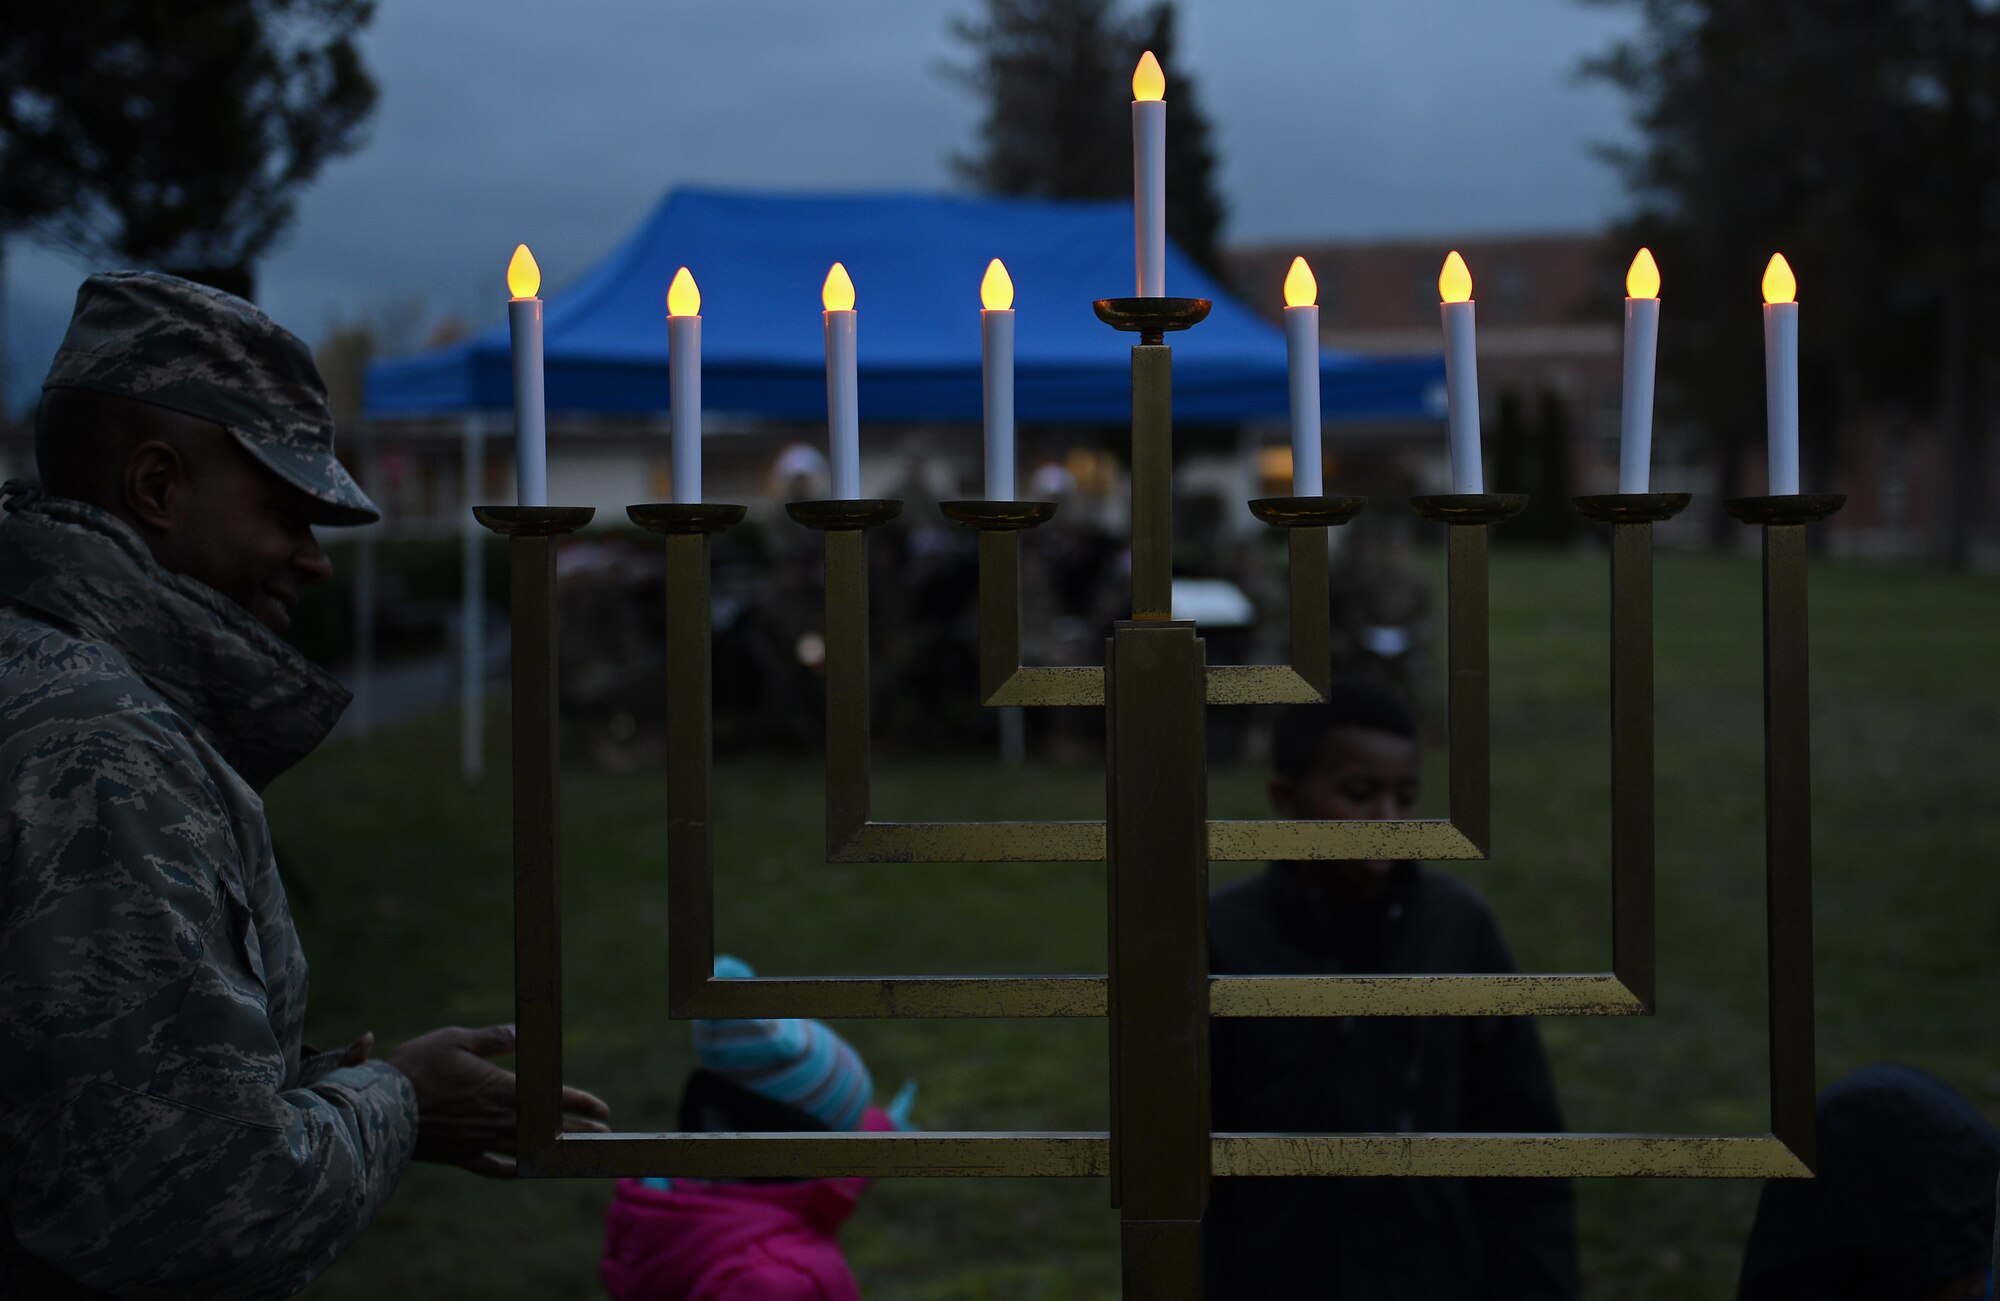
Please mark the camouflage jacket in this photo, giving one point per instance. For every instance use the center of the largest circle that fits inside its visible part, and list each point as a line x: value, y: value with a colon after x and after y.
x: 162, y: 1131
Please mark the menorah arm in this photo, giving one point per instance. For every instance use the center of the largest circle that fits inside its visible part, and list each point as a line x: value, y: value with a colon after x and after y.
x: 531, y: 532
x: 1087, y: 1155
x: 687, y: 529
x: 1303, y: 681
x: 891, y: 997
x: 1005, y: 680
x: 1499, y: 1156
x: 1788, y: 806
x: 852, y: 836
x: 1253, y: 840
x: 1041, y: 1154
x: 1478, y: 994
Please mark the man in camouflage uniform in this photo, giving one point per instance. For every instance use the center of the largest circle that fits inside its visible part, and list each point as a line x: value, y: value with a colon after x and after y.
x: 163, y: 1130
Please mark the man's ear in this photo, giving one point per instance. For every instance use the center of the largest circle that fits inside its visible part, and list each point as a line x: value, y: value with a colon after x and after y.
x: 155, y: 484
x: 1285, y: 797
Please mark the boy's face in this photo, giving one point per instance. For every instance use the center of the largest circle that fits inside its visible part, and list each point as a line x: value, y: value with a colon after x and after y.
x: 1359, y: 774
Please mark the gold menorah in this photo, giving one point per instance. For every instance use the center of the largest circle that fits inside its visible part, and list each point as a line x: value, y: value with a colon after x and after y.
x: 1157, y: 841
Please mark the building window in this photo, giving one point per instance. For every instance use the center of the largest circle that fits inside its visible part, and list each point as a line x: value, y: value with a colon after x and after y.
x: 1329, y: 292
x: 1424, y: 292
x: 1511, y: 296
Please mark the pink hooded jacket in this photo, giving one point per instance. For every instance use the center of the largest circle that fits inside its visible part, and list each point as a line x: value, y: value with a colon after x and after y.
x: 732, y: 1242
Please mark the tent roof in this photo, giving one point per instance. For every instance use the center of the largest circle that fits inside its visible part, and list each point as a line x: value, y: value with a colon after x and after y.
x: 916, y: 260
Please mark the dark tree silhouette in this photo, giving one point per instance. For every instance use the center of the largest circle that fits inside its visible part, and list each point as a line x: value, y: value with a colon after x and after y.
x: 1055, y: 77
x: 175, y: 134
x: 1861, y: 138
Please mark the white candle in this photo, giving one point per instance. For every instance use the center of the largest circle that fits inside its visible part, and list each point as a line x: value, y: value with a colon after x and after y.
x: 1642, y: 338
x: 684, y: 379
x: 843, y: 418
x: 1149, y: 175
x: 1302, y: 359
x: 996, y: 357
x: 531, y: 430
x: 1461, y: 374
x: 1781, y: 376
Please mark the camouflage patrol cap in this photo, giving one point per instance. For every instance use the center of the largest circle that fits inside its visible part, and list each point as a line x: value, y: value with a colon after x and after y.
x: 176, y: 344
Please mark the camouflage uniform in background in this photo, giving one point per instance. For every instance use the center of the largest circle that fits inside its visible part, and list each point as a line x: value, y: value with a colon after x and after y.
x: 164, y: 1133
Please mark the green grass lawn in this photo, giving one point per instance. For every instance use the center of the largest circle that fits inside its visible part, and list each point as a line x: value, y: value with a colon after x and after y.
x: 410, y: 929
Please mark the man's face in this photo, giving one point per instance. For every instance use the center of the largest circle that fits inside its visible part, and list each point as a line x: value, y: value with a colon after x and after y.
x: 245, y: 532
x: 1360, y: 773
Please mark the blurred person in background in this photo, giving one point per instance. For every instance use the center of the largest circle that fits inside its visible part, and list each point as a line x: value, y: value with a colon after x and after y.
x: 1901, y: 1208
x: 1386, y: 1239
x: 751, y: 1239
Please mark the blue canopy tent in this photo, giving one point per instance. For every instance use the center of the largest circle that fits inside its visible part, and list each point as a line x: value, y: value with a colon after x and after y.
x: 916, y: 260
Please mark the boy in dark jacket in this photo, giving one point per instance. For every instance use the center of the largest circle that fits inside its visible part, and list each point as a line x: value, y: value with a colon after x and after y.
x: 1373, y: 1239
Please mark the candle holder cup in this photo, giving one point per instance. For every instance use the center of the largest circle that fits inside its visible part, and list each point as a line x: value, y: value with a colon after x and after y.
x: 1152, y: 318
x: 1470, y: 507
x: 685, y: 517
x: 987, y: 516
x: 1631, y: 507
x: 533, y: 521
x: 1307, y: 512
x: 845, y: 513
x: 1156, y: 841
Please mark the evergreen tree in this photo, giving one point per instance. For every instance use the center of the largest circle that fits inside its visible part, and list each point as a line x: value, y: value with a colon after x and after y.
x: 1055, y: 77
x: 1862, y: 139
x: 175, y: 134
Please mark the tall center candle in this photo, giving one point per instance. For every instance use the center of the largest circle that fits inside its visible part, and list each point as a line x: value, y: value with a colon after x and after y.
x: 1642, y: 338
x: 1461, y: 374
x: 1302, y: 360
x: 843, y: 414
x: 531, y: 430
x: 1149, y: 175
x: 1781, y: 376
x: 996, y: 356
x: 684, y: 380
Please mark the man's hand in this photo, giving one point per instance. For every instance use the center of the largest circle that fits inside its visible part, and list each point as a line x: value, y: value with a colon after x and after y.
x: 465, y: 1104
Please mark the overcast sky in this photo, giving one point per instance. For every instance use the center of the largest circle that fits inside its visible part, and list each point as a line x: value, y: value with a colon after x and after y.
x: 502, y: 121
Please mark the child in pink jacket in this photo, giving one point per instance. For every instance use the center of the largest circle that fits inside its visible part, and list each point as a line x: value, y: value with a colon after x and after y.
x: 759, y: 1240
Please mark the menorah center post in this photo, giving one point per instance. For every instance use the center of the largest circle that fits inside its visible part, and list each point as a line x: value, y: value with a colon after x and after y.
x: 1152, y: 481
x: 1157, y: 806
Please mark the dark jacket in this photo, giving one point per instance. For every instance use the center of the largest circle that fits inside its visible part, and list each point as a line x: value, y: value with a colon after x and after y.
x: 164, y: 1132
x: 1378, y: 1239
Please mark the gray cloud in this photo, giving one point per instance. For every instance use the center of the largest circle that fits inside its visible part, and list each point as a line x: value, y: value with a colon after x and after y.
x: 560, y: 125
